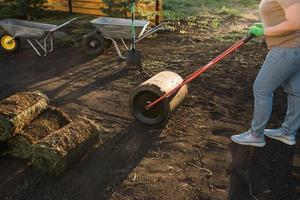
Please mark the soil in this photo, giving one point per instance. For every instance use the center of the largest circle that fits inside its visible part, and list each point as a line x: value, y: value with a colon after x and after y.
x: 191, y: 157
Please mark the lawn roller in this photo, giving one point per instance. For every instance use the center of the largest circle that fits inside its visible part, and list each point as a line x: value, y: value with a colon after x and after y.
x: 154, y: 100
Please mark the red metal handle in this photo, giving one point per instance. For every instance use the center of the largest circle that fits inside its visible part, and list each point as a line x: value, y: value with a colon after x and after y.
x: 200, y: 71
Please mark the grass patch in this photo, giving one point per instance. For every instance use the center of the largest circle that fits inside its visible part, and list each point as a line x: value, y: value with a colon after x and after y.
x: 174, y: 9
x: 229, y: 11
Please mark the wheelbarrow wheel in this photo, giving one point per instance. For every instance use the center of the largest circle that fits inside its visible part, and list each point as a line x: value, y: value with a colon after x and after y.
x: 9, y: 44
x: 108, y: 43
x: 94, y: 44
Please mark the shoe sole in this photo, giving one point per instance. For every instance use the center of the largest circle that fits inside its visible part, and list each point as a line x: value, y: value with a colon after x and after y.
x: 282, y: 139
x: 262, y: 144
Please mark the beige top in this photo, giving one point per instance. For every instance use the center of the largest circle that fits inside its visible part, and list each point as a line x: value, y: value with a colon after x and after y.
x: 272, y: 13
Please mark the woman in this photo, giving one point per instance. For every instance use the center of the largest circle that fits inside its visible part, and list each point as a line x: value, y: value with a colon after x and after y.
x: 281, y: 28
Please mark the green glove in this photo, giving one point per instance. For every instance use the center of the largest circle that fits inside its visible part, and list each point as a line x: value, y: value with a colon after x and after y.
x: 257, y: 29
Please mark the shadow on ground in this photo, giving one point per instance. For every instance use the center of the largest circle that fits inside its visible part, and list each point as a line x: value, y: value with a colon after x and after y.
x: 94, y: 177
x: 21, y: 69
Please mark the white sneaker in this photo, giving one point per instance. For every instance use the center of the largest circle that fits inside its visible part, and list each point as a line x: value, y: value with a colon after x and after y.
x: 277, y: 134
x: 250, y: 139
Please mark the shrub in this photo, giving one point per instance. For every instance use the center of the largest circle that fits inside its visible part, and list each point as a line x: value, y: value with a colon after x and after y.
x: 121, y: 8
x: 116, y: 8
x: 22, y: 8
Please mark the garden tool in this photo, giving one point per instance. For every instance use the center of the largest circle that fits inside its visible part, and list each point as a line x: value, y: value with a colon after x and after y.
x: 133, y: 56
x: 154, y: 100
x: 200, y: 71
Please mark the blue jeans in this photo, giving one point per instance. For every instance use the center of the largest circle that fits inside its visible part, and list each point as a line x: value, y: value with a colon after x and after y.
x: 281, y: 68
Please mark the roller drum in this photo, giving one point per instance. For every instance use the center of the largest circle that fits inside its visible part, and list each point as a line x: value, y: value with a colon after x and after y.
x: 151, y: 90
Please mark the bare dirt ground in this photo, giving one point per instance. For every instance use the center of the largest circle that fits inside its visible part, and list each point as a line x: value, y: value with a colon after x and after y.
x: 192, y: 157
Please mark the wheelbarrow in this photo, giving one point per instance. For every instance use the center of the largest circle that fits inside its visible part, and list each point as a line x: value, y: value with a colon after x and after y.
x: 38, y: 35
x: 108, y: 30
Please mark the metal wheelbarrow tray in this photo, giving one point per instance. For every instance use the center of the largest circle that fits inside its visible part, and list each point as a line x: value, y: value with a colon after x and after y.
x: 40, y: 33
x: 108, y: 30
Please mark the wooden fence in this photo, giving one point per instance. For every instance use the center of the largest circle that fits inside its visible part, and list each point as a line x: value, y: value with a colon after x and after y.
x: 151, y: 9
x: 93, y: 7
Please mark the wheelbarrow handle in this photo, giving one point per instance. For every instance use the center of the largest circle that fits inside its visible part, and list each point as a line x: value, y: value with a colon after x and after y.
x: 200, y: 71
x: 149, y: 32
x: 64, y: 24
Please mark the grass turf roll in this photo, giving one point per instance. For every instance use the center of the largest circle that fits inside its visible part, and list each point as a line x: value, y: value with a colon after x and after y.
x: 49, y: 121
x: 19, y: 110
x: 54, y: 153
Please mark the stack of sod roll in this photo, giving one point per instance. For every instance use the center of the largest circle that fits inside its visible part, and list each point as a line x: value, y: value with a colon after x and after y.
x: 50, y: 120
x: 43, y: 134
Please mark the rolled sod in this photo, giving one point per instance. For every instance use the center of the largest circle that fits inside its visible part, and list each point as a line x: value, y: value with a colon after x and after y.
x: 19, y: 110
x: 47, y: 122
x: 54, y: 153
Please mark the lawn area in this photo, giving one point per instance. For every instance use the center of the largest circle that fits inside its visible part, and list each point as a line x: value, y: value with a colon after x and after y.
x: 191, y: 157
x: 174, y: 9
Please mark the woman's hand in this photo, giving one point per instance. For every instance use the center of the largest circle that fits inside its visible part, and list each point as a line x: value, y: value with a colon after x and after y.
x: 257, y: 30
x: 291, y: 24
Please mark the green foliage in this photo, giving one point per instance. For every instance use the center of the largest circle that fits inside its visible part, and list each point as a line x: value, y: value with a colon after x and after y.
x: 146, y: 9
x: 121, y: 8
x: 174, y: 9
x: 22, y: 8
x: 116, y: 8
x: 229, y: 11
